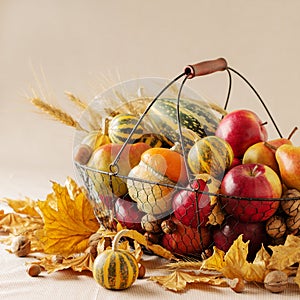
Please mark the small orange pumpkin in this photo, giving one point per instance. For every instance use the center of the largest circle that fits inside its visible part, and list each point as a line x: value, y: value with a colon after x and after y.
x: 158, y: 167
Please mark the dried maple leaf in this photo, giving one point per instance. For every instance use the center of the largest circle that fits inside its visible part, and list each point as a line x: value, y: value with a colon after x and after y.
x: 25, y: 206
x: 234, y: 264
x: 286, y: 255
x: 69, y: 221
x: 156, y: 249
x: 178, y: 280
x: 79, y: 262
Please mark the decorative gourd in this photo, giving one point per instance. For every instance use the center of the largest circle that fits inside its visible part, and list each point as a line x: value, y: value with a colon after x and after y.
x: 196, y: 116
x: 121, y: 126
x: 97, y: 138
x: 211, y: 155
x: 159, y: 170
x: 155, y: 140
x: 101, y: 160
x: 115, y: 269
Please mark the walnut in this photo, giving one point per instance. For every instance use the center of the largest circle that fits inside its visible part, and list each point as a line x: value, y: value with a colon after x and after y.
x: 276, y: 227
x: 293, y: 223
x: 21, y: 246
x: 291, y: 207
x: 276, y: 281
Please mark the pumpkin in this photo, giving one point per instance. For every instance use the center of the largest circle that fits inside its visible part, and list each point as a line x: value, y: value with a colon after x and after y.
x: 211, y: 155
x: 151, y: 182
x: 115, y: 269
x: 97, y: 138
x: 121, y: 126
x: 196, y: 116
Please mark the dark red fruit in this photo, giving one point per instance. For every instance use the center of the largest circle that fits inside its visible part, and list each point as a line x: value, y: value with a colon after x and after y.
x: 192, y: 208
x: 127, y: 213
x: 107, y: 200
x: 230, y: 230
x: 186, y: 240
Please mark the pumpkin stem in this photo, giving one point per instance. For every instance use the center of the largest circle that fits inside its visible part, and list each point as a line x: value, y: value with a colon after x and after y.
x: 117, y: 238
x: 177, y: 148
x: 105, y: 123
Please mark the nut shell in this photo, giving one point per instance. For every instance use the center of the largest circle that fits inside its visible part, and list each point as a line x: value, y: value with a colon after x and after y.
x: 276, y: 227
x: 21, y: 246
x: 276, y: 281
x: 33, y: 270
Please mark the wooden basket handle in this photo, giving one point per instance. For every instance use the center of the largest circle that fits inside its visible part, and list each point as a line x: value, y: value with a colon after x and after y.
x: 205, y: 67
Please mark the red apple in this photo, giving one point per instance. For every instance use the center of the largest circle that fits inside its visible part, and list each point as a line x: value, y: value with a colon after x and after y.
x: 251, y: 181
x: 288, y: 159
x: 128, y: 215
x: 241, y: 129
x: 235, y: 162
x: 186, y: 240
x: 192, y: 208
x: 228, y: 232
x: 264, y: 153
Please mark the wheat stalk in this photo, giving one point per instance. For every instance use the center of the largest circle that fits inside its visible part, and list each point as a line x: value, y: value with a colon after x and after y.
x: 56, y: 113
x: 76, y: 100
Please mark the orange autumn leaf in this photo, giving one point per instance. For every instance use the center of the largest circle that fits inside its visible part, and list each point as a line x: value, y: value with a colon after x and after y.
x: 69, y: 220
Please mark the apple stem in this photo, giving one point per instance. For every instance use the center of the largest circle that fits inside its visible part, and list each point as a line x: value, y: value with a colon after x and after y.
x: 264, y: 123
x: 292, y: 133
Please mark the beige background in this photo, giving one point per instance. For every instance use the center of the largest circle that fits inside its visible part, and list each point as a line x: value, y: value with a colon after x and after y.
x: 83, y: 45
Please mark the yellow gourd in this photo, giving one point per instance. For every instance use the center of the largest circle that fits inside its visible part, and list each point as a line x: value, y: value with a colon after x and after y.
x: 97, y: 138
x: 115, y: 269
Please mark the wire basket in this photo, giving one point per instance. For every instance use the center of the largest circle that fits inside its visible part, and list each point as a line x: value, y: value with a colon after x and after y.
x: 186, y: 216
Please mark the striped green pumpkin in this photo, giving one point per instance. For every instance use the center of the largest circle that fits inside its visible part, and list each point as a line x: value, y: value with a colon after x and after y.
x: 116, y: 269
x: 197, y: 119
x: 211, y: 155
x: 121, y: 126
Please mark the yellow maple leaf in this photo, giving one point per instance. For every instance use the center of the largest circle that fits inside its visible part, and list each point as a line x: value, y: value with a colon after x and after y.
x: 79, y: 262
x: 178, y: 280
x: 286, y: 255
x: 69, y: 220
x: 234, y: 264
x: 25, y: 206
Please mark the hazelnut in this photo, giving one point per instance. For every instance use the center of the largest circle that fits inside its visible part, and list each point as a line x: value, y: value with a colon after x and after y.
x: 153, y: 238
x: 236, y: 284
x: 276, y: 281
x: 142, y: 271
x: 21, y: 246
x: 33, y: 270
x: 168, y: 226
x: 57, y: 259
x: 92, y: 250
